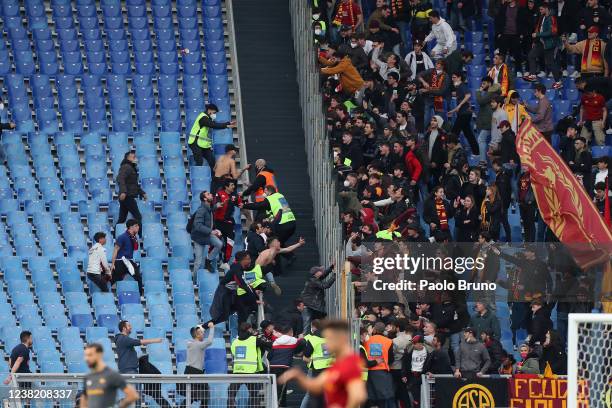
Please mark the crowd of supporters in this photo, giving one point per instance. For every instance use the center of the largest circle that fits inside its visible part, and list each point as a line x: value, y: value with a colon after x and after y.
x: 425, y: 152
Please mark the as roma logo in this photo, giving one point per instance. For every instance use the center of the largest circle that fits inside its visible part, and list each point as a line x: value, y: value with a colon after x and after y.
x: 473, y: 396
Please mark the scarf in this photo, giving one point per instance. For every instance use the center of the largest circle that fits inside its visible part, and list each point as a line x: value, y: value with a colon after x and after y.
x: 484, y: 223
x: 442, y: 216
x: 134, y: 242
x: 592, y: 47
x: 342, y: 9
x: 436, y: 83
x: 503, y: 82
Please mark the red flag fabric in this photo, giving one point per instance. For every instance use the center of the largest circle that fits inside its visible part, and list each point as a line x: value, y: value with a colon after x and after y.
x: 564, y: 204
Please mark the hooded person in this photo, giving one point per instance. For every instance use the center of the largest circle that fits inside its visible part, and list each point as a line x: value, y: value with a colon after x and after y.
x: 515, y: 110
x: 313, y: 293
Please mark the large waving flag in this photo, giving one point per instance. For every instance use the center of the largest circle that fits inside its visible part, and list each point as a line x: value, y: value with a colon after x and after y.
x: 564, y: 204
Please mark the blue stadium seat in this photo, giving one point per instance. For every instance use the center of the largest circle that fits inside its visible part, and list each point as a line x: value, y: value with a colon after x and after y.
x: 94, y: 334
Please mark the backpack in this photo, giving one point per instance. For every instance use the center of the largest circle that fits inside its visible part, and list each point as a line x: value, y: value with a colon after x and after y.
x: 189, y: 226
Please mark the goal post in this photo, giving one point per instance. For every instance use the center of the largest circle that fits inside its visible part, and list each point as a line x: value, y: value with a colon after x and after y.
x: 589, y: 360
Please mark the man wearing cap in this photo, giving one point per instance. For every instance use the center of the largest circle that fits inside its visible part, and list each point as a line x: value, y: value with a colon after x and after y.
x: 414, y: 363
x: 591, y: 51
x: 313, y: 294
x: 200, y: 139
x: 473, y: 359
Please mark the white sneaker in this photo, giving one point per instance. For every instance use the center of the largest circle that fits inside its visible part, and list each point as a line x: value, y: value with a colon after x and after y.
x: 542, y: 74
x: 565, y: 73
x: 277, y: 290
x: 550, y: 75
x: 609, y: 131
x: 575, y: 74
x: 519, y: 74
x: 225, y: 266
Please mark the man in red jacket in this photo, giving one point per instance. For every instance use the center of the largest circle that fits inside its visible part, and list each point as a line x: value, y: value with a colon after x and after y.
x: 414, y: 166
x: 225, y: 202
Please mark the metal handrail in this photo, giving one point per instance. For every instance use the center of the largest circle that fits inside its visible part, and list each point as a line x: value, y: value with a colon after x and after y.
x: 320, y: 165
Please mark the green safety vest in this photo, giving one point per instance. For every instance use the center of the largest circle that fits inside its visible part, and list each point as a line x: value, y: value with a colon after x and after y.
x: 247, y: 357
x: 253, y: 278
x: 387, y: 235
x: 279, y: 203
x: 364, y: 371
x: 320, y: 357
x: 200, y: 133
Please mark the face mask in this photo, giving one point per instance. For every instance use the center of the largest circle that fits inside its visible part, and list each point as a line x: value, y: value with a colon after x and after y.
x: 457, y: 83
x: 438, y: 71
x: 523, y: 355
x: 353, y: 45
x: 347, y: 183
x: 317, y: 31
x: 213, y: 116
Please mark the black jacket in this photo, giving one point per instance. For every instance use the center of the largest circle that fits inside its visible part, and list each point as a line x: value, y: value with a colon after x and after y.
x: 539, y: 325
x: 567, y: 22
x: 439, y: 362
x: 477, y: 191
x: 128, y: 180
x: 313, y: 294
x: 452, y: 181
x: 496, y: 352
x: 292, y: 318
x: 503, y: 181
x: 556, y: 357
x: 467, y: 232
x: 430, y: 215
x: 255, y: 243
x: 527, y: 20
x: 507, y: 147
x: 353, y: 153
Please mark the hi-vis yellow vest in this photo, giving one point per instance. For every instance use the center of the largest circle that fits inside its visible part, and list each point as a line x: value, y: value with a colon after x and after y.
x: 364, y: 370
x: 253, y: 278
x: 388, y: 235
x: 200, y: 133
x: 320, y: 357
x: 279, y: 203
x: 247, y: 357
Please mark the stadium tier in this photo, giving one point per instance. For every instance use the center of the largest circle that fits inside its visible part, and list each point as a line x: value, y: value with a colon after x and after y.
x: 86, y: 82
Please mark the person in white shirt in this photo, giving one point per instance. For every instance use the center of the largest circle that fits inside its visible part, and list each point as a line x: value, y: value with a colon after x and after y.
x: 417, y: 60
x: 602, y: 172
x: 97, y: 263
x: 446, y: 42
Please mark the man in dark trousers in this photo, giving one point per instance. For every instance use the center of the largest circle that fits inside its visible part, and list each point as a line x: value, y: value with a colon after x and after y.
x: 129, y: 189
x: 19, y: 362
x: 200, y: 139
x: 123, y: 255
x: 313, y: 293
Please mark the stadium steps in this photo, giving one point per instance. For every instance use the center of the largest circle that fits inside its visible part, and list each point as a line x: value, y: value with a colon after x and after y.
x: 272, y: 121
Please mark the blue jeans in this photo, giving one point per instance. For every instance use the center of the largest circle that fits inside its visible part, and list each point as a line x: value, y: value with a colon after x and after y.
x: 198, y: 252
x: 483, y: 144
x: 511, y: 168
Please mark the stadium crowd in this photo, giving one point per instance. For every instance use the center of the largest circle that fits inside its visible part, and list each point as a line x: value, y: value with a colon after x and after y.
x: 425, y: 152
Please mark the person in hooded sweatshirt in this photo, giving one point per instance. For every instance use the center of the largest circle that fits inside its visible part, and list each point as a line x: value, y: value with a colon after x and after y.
x: 515, y: 110
x: 129, y: 189
x: 443, y: 33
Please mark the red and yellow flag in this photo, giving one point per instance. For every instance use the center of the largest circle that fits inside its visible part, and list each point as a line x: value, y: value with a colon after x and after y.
x: 564, y: 204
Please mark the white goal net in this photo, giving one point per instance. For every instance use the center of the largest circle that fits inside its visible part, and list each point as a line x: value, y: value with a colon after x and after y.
x: 590, y: 361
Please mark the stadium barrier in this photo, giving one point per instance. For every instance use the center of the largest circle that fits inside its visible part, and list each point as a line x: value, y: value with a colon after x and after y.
x: 320, y: 164
x: 519, y: 390
x: 64, y: 390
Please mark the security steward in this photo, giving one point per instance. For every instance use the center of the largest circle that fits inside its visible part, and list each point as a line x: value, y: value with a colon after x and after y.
x: 277, y: 208
x: 317, y: 358
x: 265, y: 177
x: 247, y: 350
x: 380, y: 382
x: 200, y: 138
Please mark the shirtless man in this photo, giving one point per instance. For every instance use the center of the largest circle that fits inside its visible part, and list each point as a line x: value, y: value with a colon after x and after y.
x: 225, y: 167
x: 254, y: 277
